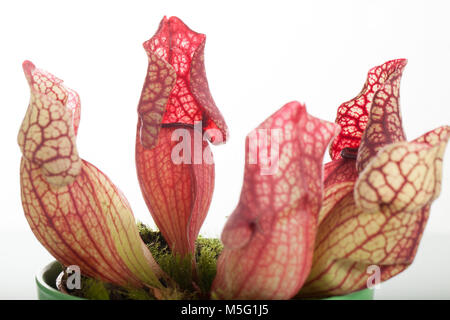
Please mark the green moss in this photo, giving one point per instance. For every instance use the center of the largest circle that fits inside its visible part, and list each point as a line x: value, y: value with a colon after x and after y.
x: 152, y: 238
x: 207, y: 252
x: 137, y: 294
x: 91, y: 289
x: 178, y: 268
x: 185, y: 282
x: 94, y: 289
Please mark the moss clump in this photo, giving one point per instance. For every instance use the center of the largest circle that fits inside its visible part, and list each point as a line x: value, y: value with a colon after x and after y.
x: 206, y: 255
x: 92, y: 289
x: 151, y: 238
x: 95, y: 289
x: 195, y: 284
x: 187, y: 283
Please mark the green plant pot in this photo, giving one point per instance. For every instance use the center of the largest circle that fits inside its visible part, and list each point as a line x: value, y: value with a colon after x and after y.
x: 366, y: 294
x: 46, y: 287
x: 46, y: 283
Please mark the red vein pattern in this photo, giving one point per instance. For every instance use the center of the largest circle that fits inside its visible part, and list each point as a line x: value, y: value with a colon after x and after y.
x: 339, y: 180
x: 176, y: 96
x: 177, y: 195
x: 47, y: 136
x: 159, y: 82
x: 404, y: 176
x: 352, y: 115
x: 349, y: 240
x: 434, y: 138
x: 216, y: 129
x: 385, y: 122
x: 382, y: 221
x: 190, y: 100
x: 268, y: 240
x: 72, y: 207
x: 87, y: 223
x: 377, y: 195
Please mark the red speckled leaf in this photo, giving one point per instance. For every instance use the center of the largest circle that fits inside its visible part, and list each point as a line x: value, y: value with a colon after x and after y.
x: 73, y: 208
x: 158, y: 84
x: 382, y: 222
x: 339, y: 180
x: 350, y: 240
x: 200, y: 90
x: 48, y: 84
x: 190, y: 100
x: 176, y: 96
x: 433, y: 138
x: 47, y: 136
x: 352, y: 115
x: 268, y: 240
x: 404, y: 176
x: 385, y: 122
x: 87, y: 223
x: 177, y: 195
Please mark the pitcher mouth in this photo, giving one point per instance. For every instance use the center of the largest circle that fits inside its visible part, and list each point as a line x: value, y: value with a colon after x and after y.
x: 349, y: 153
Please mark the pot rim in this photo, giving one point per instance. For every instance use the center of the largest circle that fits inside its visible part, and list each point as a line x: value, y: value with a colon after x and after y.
x: 42, y: 279
x: 54, y: 268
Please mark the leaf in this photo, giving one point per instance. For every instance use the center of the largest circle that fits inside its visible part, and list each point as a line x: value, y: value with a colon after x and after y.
x: 339, y: 180
x: 215, y: 127
x: 404, y: 176
x: 176, y: 97
x: 190, y: 100
x: 269, y: 238
x: 352, y: 115
x: 72, y: 207
x: 158, y: 84
x: 350, y: 240
x: 47, y: 134
x: 382, y: 221
x: 385, y: 123
x: 178, y: 195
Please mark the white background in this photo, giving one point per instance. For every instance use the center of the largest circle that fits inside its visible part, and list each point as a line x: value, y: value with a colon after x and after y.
x: 258, y: 56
